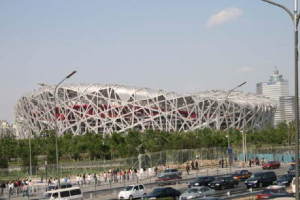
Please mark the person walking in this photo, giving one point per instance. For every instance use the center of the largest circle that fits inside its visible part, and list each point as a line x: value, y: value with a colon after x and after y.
x: 187, y: 168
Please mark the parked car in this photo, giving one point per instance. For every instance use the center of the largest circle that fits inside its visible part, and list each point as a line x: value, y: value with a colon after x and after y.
x: 222, y: 182
x: 271, y: 165
x: 285, y: 180
x: 201, y: 181
x: 159, y: 193
x: 241, y: 174
x: 261, y: 179
x: 64, y: 194
x: 170, y: 171
x: 273, y: 191
x: 132, y: 192
x: 196, y: 192
x: 168, y: 179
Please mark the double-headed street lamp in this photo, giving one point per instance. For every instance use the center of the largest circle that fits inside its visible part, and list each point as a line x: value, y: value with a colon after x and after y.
x: 294, y: 15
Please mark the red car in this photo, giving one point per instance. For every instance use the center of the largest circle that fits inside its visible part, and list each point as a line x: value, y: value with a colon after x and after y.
x: 271, y: 165
x: 168, y: 179
x: 273, y: 192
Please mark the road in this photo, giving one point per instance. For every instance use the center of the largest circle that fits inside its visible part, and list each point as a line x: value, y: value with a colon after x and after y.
x: 182, y: 186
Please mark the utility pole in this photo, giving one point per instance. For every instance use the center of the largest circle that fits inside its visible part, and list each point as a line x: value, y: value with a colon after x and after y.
x: 294, y: 15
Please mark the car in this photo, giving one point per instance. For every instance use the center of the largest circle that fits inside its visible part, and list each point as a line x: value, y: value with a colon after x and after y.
x: 208, y: 198
x: 170, y: 171
x: 55, y: 187
x: 222, y: 182
x: 241, y: 174
x: 260, y: 179
x: 162, y: 193
x: 132, y: 192
x: 292, y: 169
x: 285, y: 179
x: 64, y: 194
x: 201, y: 181
x: 271, y: 165
x: 168, y: 179
x: 273, y: 191
x: 196, y: 192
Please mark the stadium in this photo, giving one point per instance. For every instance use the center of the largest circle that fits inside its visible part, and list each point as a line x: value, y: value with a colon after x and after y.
x: 82, y: 108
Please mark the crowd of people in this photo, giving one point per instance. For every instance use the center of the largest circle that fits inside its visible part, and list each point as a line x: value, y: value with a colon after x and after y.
x: 18, y: 187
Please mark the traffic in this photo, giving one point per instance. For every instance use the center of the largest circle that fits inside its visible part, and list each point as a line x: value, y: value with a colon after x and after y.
x: 269, y: 182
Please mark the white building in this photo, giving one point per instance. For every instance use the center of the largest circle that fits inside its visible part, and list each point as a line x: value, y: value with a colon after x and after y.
x: 6, y: 128
x: 275, y: 89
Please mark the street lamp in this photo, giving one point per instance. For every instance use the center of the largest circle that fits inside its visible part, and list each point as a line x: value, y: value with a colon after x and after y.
x: 227, y: 108
x: 55, y: 118
x: 294, y: 15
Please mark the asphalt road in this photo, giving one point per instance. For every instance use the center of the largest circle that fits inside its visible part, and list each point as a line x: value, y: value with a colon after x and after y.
x: 182, y: 186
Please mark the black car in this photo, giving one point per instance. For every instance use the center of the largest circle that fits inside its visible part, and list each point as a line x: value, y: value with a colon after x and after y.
x: 222, y: 183
x: 285, y: 179
x: 208, y: 198
x: 261, y: 179
x: 163, y: 193
x: 201, y: 181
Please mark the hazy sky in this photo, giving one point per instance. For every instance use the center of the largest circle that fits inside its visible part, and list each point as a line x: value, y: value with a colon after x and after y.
x: 178, y: 45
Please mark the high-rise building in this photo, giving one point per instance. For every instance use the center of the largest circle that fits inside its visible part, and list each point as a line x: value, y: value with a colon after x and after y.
x: 276, y: 88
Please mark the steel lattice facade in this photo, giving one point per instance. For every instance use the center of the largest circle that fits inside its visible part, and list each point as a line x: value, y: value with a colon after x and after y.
x: 115, y: 108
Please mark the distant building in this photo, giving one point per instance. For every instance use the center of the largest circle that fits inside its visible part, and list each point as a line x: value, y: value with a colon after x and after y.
x: 277, y: 90
x: 286, y: 108
x: 7, y: 129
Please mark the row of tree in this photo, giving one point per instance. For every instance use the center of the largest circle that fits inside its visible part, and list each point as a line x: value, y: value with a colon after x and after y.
x: 91, y: 146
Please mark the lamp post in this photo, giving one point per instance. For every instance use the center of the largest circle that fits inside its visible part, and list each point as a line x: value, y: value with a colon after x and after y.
x: 55, y: 119
x: 294, y: 15
x: 226, y: 100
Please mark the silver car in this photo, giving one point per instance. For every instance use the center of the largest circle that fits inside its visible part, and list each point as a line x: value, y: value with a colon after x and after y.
x: 196, y: 192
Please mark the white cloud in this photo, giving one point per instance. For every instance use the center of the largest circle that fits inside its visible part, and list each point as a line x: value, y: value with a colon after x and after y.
x: 245, y: 69
x: 226, y: 15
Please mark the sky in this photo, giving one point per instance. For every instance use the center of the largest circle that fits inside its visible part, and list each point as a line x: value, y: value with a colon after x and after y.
x: 176, y: 45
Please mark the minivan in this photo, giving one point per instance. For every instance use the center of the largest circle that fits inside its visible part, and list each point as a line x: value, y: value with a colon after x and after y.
x: 261, y: 179
x: 72, y: 193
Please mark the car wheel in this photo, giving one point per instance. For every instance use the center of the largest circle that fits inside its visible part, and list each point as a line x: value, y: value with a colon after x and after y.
x: 261, y: 185
x: 222, y: 187
x: 176, y: 198
x: 130, y: 197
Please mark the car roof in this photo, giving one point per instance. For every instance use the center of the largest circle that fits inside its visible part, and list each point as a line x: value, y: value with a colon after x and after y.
x: 64, y: 189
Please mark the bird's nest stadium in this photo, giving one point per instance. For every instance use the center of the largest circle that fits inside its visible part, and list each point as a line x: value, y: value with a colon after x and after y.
x: 82, y: 108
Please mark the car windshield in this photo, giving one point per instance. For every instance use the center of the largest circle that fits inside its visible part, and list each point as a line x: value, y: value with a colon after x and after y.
x: 237, y: 172
x: 192, y: 190
x: 255, y: 175
x: 200, y: 178
x: 128, y: 188
x: 220, y: 179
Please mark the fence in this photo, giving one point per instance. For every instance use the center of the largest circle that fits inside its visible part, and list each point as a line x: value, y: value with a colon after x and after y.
x: 176, y: 158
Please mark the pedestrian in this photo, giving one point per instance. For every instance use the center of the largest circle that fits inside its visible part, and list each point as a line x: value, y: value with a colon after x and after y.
x: 250, y: 162
x: 187, y: 168
x: 196, y: 165
x: 192, y: 165
x: 222, y: 163
x: 2, y: 187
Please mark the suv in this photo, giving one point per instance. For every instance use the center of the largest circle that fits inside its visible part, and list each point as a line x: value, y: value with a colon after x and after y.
x: 261, y: 179
x: 132, y: 192
x: 222, y: 183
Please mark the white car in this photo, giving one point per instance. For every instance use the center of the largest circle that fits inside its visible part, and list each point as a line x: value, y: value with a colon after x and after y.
x: 196, y: 192
x: 64, y: 194
x: 132, y: 192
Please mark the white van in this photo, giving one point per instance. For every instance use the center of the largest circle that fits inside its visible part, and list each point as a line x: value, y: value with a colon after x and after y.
x: 132, y: 192
x: 65, y: 194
